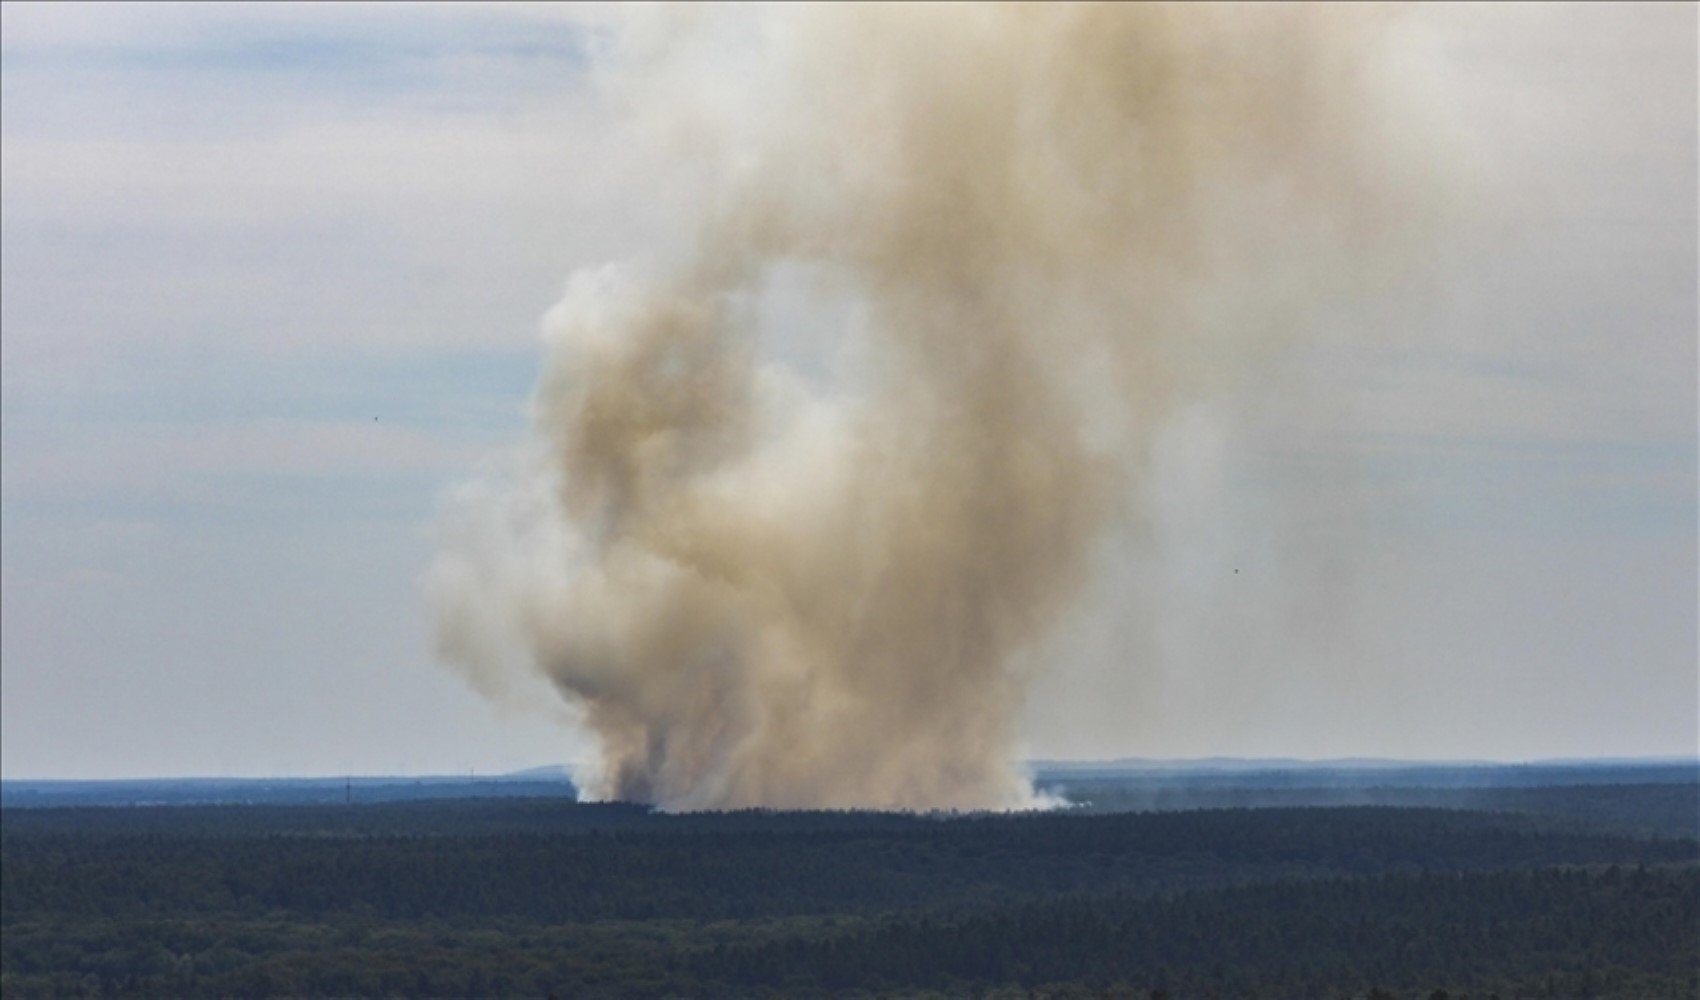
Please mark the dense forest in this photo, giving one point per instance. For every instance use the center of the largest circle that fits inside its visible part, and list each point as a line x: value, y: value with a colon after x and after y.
x: 1582, y: 891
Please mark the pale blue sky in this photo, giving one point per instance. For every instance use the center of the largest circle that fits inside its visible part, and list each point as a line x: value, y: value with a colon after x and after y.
x: 271, y: 284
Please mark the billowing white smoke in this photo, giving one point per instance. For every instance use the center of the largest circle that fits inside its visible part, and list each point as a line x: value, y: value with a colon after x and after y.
x: 1048, y: 219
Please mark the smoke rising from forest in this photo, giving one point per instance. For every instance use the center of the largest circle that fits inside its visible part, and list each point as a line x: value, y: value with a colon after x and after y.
x: 762, y: 588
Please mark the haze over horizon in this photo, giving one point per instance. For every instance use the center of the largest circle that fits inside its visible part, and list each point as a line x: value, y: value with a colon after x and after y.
x: 272, y: 280
x: 1233, y: 765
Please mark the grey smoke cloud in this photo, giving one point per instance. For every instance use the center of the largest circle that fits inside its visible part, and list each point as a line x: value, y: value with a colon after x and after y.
x: 1050, y: 223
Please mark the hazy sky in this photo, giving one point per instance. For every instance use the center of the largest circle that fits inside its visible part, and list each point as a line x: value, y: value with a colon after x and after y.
x: 272, y: 279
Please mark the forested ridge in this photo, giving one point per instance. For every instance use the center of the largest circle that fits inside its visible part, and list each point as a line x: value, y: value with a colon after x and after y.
x: 533, y: 896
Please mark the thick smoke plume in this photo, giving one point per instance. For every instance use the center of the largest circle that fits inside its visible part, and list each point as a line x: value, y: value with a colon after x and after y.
x: 1044, y: 225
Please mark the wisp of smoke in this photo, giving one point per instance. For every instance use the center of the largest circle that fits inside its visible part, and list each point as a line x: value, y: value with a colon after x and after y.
x: 762, y: 590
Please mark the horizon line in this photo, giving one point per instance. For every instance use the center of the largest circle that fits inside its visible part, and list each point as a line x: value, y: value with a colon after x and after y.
x: 565, y: 770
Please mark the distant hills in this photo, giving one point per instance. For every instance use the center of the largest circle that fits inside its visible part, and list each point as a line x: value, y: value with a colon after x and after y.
x: 541, y: 782
x: 1250, y: 764
x: 1074, y: 778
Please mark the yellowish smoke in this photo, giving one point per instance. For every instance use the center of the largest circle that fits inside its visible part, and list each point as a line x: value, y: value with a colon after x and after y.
x: 1047, y: 219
